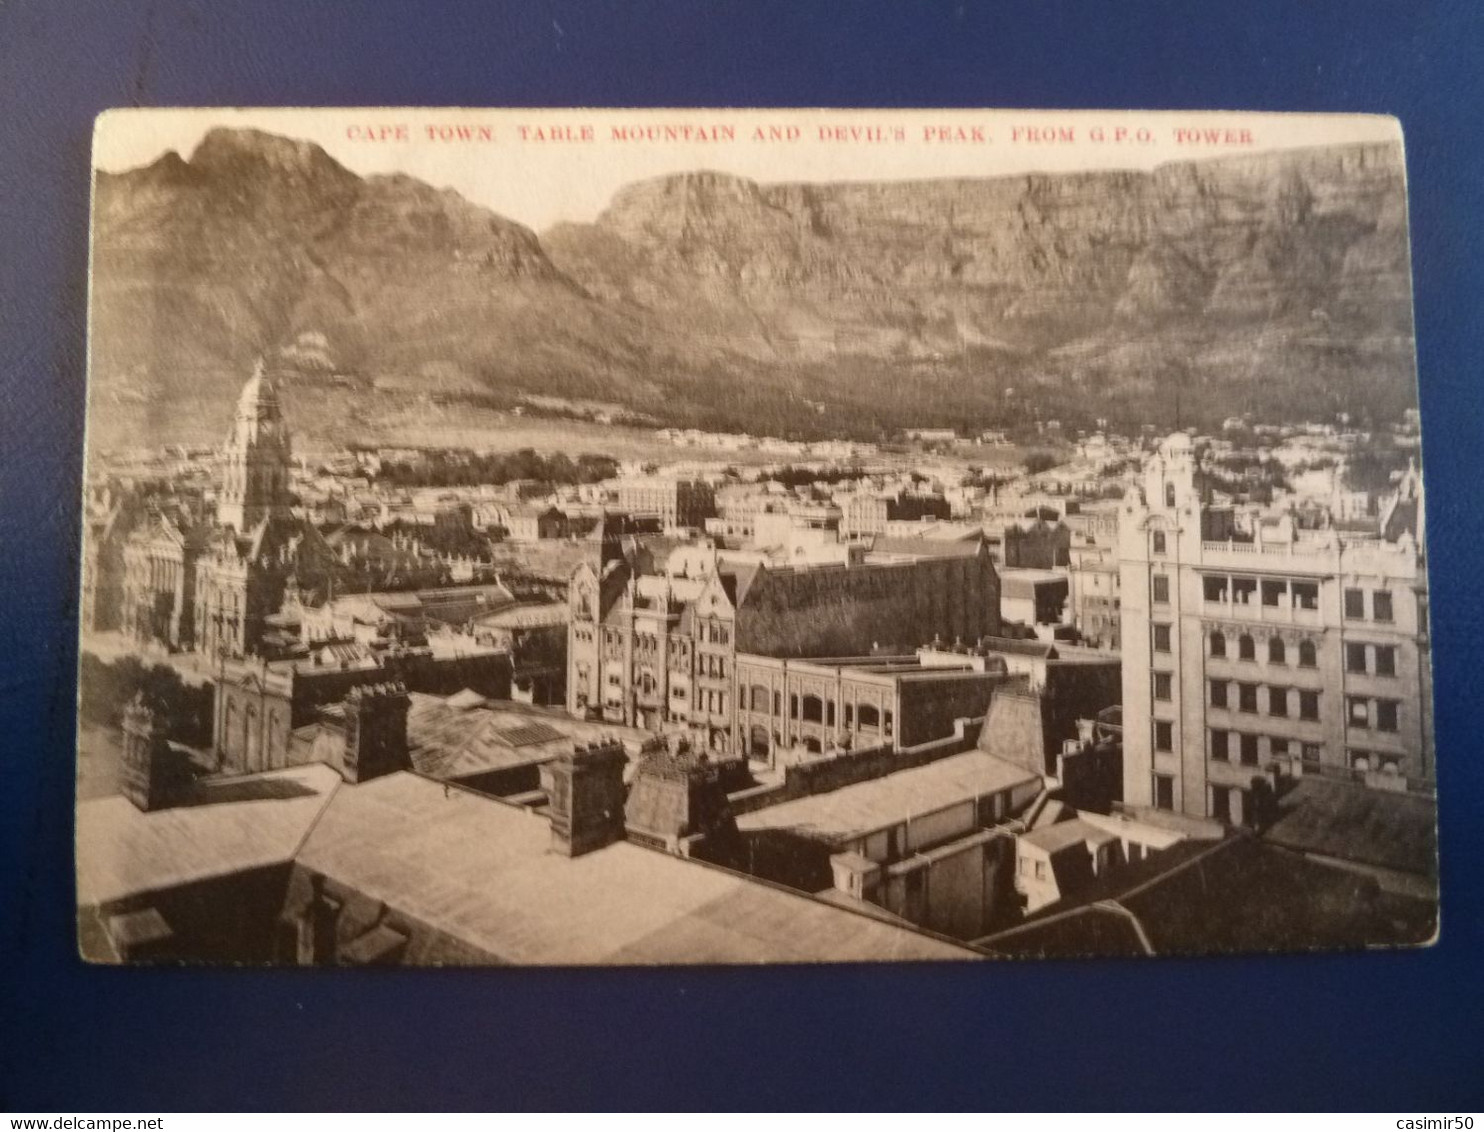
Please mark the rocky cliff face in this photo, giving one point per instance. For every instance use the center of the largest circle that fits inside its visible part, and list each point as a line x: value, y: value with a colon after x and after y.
x: 1275, y: 283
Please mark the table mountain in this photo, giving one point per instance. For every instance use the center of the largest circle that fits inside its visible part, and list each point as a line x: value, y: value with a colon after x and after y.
x: 1276, y: 283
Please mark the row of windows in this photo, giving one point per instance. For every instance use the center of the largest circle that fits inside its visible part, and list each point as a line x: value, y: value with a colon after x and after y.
x: 1244, y: 747
x: 1305, y: 655
x: 1380, y: 605
x: 1277, y: 697
x: 1382, y: 658
x: 814, y: 709
x: 1373, y: 714
x: 1371, y: 760
x: 1222, y: 798
x: 1275, y: 593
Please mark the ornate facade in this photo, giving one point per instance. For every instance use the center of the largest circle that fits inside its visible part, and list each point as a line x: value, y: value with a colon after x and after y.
x: 660, y: 651
x: 159, y: 583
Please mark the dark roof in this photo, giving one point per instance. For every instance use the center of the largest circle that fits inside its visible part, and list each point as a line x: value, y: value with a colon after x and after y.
x: 1241, y: 894
x: 1354, y: 823
x: 465, y: 735
x: 737, y: 579
x: 928, y: 547
x: 1404, y: 516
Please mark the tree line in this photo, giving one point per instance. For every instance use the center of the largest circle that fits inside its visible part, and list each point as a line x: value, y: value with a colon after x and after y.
x: 465, y: 469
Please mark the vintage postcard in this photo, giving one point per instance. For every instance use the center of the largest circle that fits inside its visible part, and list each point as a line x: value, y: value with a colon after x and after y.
x: 729, y: 536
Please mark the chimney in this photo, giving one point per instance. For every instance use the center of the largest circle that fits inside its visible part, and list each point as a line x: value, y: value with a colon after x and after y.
x: 375, y: 731
x: 586, y: 795
x: 316, y: 926
x: 150, y: 770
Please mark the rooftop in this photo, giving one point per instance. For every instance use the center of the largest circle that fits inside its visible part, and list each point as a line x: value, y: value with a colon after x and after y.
x: 1239, y: 894
x: 1354, y: 823
x: 1055, y: 838
x: 214, y: 828
x: 527, y: 615
x: 854, y: 811
x: 482, y: 873
x: 1029, y: 576
x: 465, y: 734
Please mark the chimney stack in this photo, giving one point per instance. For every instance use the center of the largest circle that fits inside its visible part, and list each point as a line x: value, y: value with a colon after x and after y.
x: 375, y: 731
x: 586, y: 795
x: 149, y: 771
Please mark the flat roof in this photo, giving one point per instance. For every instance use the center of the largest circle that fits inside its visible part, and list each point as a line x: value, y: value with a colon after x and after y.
x: 483, y: 873
x: 213, y: 828
x: 854, y: 811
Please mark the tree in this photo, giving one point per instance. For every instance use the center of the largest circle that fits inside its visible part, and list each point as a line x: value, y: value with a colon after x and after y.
x: 1037, y: 462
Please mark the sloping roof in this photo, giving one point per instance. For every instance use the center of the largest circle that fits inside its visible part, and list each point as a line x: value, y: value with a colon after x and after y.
x: 215, y: 828
x: 1012, y: 646
x: 1056, y: 837
x: 1239, y: 895
x: 854, y: 811
x: 456, y: 737
x: 483, y: 874
x: 738, y: 578
x: 1025, y: 583
x: 928, y: 547
x: 527, y: 615
x: 1354, y: 823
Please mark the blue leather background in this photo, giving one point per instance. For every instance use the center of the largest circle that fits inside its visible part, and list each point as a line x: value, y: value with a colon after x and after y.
x: 1383, y: 1031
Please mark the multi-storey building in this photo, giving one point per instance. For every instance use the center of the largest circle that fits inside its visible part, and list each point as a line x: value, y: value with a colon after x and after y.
x: 1300, y: 651
x: 660, y: 650
x: 854, y: 702
x: 678, y: 502
x: 1093, y: 578
x: 868, y: 513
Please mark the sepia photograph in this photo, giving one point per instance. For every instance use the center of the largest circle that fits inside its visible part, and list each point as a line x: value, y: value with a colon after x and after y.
x: 658, y: 537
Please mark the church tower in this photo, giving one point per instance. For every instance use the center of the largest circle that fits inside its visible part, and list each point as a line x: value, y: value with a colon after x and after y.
x: 255, y: 481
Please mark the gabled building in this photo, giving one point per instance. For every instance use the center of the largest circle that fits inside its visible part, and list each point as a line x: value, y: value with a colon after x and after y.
x: 661, y: 651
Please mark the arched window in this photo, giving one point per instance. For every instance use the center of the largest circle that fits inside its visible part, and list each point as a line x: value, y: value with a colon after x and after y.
x: 1246, y: 647
x: 1169, y: 495
x: 1277, y: 654
x: 869, y: 716
x: 1308, y: 657
x: 1218, y: 643
x: 813, y: 709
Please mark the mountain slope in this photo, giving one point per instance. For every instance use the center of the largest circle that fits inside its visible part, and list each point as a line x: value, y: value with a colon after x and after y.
x: 1274, y: 283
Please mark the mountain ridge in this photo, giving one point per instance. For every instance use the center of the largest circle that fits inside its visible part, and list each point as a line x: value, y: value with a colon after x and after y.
x: 814, y: 308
